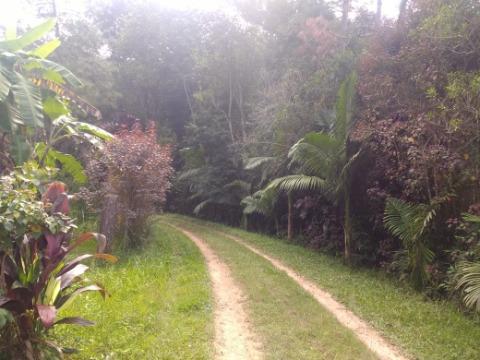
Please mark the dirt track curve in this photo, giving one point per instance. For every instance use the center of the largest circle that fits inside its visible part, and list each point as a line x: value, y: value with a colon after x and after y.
x: 369, y: 336
x: 234, y: 338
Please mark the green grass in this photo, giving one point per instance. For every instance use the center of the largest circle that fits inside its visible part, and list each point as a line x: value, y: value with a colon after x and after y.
x: 160, y: 305
x: 290, y: 323
x: 424, y: 328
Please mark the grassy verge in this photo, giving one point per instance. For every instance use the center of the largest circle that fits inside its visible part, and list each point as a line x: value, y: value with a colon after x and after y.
x: 425, y: 329
x: 160, y: 305
x: 290, y: 323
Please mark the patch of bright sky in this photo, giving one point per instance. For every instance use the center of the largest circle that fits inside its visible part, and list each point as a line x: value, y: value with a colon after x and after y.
x: 19, y: 10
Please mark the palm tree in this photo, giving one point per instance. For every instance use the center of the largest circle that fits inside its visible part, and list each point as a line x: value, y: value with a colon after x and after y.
x: 323, y: 162
x: 410, y: 222
x: 467, y: 274
x: 262, y: 202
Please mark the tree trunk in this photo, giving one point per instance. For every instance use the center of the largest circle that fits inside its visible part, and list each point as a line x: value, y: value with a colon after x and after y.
x: 347, y: 226
x: 290, y: 217
x: 345, y: 11
x: 242, y: 112
x: 378, y: 15
x: 277, y: 225
x: 402, y: 12
x: 108, y: 219
x: 230, y: 103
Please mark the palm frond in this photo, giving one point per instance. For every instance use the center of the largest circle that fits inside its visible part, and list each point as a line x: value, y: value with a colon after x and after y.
x: 292, y: 183
x: 188, y: 174
x: 198, y: 209
x: 238, y: 186
x: 262, y: 202
x: 344, y: 107
x: 404, y: 220
x: 468, y: 281
x: 255, y: 162
x: 409, y: 223
x: 471, y: 218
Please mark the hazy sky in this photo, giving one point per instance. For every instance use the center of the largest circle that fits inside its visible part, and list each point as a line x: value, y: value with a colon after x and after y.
x: 16, y: 9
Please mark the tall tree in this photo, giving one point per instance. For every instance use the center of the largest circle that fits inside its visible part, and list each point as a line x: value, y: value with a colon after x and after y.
x: 324, y: 163
x: 378, y: 14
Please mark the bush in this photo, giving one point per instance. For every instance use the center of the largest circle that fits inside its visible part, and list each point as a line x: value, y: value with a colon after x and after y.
x: 134, y: 170
x: 36, y: 278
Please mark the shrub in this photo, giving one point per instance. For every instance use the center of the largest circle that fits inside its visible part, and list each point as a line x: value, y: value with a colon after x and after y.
x: 134, y: 170
x: 36, y: 278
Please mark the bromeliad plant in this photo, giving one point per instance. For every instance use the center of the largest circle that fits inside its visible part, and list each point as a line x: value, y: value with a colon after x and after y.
x: 37, y: 280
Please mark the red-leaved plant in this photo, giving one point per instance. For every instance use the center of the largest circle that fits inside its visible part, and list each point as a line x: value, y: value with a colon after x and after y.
x: 37, y: 280
x: 135, y: 171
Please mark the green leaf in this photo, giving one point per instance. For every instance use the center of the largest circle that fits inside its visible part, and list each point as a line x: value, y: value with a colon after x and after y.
x: 5, y: 317
x: 51, y: 67
x: 28, y: 101
x: 253, y: 163
x: 5, y: 84
x: 68, y: 162
x: 75, y: 321
x: 44, y: 50
x: 53, y: 76
x: 29, y: 37
x: 54, y: 107
x: 468, y: 280
x: 93, y: 130
x: 344, y: 107
x: 11, y: 31
x: 298, y: 183
x: 52, y: 291
x: 66, y: 301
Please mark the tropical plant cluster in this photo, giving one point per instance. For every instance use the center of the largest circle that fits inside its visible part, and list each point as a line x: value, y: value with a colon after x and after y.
x: 48, y: 134
x: 322, y: 122
x: 39, y: 278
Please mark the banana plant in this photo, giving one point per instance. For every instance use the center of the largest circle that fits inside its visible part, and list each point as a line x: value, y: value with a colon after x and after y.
x: 21, y: 61
x: 26, y: 115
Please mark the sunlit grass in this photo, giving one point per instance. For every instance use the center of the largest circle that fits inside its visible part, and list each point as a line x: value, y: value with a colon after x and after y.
x: 424, y: 328
x: 159, y: 308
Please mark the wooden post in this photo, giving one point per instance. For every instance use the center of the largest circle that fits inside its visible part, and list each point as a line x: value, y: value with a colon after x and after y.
x: 290, y: 217
x: 108, y: 218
